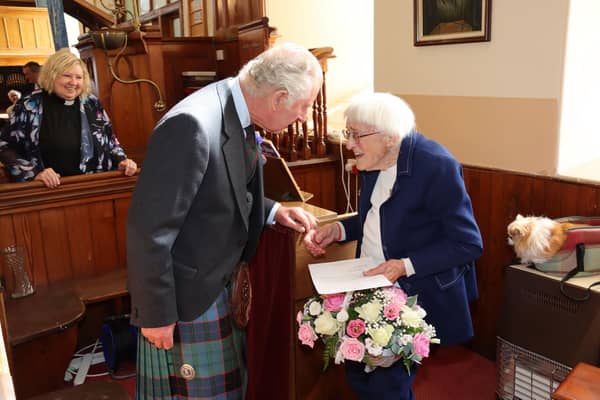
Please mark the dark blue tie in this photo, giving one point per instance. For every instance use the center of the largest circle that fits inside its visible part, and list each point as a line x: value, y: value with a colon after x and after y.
x: 252, y: 149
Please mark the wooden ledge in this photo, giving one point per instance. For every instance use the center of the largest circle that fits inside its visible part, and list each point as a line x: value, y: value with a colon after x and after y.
x: 28, y: 195
x: 49, y: 309
x: 58, y: 306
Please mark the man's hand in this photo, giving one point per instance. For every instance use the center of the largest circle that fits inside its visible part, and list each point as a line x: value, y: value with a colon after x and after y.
x: 50, y: 178
x: 295, y: 218
x: 161, y: 337
x: 391, y: 269
x: 316, y: 240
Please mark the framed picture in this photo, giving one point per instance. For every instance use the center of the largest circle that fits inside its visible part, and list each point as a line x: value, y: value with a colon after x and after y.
x: 451, y: 21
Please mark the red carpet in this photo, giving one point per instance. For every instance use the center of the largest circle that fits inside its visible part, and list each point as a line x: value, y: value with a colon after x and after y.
x: 454, y: 373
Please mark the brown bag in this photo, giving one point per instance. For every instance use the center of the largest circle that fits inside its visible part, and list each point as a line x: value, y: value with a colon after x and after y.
x: 241, y: 295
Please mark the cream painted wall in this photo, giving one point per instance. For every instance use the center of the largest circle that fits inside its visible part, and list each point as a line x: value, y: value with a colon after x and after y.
x: 345, y: 25
x: 580, y: 140
x: 493, y: 104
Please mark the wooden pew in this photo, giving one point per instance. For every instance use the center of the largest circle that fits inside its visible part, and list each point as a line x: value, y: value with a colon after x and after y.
x: 74, y: 241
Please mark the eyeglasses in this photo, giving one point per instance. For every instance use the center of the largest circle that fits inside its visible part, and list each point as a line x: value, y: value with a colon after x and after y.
x: 356, y: 136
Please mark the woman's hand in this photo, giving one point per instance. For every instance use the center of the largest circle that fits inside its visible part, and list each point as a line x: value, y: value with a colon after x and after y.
x: 391, y: 269
x: 50, y: 178
x: 128, y: 166
x: 161, y: 337
x: 316, y: 240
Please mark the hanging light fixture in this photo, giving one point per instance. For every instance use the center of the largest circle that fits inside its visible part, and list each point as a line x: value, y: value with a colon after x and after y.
x: 113, y: 38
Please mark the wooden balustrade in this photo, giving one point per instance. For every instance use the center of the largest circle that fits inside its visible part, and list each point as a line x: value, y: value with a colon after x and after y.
x: 298, y: 142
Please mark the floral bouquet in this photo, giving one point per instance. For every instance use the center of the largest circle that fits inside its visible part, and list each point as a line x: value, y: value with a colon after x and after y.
x: 374, y: 326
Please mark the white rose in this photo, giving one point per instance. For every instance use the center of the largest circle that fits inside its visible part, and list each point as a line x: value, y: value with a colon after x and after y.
x: 382, y: 335
x: 422, y: 312
x: 325, y: 324
x: 370, y: 311
x: 342, y: 316
x: 314, y: 308
x: 410, y: 317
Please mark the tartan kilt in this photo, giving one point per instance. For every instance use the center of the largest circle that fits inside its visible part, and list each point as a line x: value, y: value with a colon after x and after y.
x: 206, y: 361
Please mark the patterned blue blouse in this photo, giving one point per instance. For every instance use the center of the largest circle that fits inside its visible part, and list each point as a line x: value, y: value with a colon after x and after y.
x: 20, y: 139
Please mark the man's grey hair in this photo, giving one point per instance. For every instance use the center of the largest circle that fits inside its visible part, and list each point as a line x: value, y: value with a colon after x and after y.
x: 286, y: 66
x: 382, y: 111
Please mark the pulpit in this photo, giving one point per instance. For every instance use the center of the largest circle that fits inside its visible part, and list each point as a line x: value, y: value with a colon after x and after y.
x: 278, y: 366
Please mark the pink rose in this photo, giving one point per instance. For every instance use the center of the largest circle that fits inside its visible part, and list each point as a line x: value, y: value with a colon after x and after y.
x: 299, y: 317
x: 392, y: 311
x: 421, y: 345
x: 307, y: 335
x: 334, y: 302
x: 352, y: 350
x: 397, y: 295
x: 355, y: 328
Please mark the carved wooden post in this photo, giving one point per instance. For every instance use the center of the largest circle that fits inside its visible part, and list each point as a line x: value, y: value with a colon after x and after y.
x: 291, y: 136
x: 305, y: 150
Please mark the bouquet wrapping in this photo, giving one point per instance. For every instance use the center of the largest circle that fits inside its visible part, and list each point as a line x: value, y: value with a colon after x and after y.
x: 376, y: 326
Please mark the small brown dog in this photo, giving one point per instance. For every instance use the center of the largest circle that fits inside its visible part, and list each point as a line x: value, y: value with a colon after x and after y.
x: 537, y: 239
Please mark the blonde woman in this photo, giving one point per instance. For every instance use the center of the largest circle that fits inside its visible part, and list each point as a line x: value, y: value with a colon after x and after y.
x: 61, y: 129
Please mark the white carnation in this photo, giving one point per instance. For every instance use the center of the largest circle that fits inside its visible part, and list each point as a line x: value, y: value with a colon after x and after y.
x: 373, y: 348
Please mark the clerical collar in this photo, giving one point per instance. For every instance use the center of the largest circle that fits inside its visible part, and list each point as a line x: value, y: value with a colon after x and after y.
x: 59, y: 100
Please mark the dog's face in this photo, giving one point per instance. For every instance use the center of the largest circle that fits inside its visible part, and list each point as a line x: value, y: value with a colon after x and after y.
x: 519, y: 229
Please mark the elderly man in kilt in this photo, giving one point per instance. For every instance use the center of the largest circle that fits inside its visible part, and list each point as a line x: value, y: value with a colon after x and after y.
x: 196, y: 212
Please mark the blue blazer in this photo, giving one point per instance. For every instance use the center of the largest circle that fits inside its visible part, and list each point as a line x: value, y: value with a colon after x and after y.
x: 429, y: 219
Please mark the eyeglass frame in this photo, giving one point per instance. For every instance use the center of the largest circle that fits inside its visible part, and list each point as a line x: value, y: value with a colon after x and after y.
x: 348, y: 134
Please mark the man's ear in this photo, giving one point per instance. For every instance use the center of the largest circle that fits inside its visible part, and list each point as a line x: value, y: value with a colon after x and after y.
x: 279, y: 98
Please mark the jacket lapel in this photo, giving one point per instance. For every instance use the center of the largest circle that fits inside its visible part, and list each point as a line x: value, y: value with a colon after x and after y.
x: 233, y: 149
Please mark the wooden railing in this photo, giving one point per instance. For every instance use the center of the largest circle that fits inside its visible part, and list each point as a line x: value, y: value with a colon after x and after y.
x: 298, y: 141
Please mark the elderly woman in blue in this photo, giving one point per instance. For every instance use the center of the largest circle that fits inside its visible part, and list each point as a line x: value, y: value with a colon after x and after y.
x: 415, y: 218
x: 61, y: 129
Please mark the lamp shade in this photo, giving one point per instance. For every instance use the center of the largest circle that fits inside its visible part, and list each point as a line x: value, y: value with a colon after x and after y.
x: 108, y: 39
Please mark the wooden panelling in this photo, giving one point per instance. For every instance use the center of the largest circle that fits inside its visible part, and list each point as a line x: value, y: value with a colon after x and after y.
x: 148, y: 56
x: 230, y: 64
x: 319, y: 178
x: 498, y: 196
x: 25, y: 35
x: 74, y: 241
x: 74, y: 231
x: 231, y: 13
x: 253, y: 39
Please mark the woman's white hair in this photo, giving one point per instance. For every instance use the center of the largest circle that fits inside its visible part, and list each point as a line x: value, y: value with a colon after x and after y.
x: 382, y: 111
x: 285, y: 66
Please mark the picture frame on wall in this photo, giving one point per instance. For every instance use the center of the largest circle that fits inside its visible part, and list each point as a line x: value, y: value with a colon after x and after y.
x: 451, y: 21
